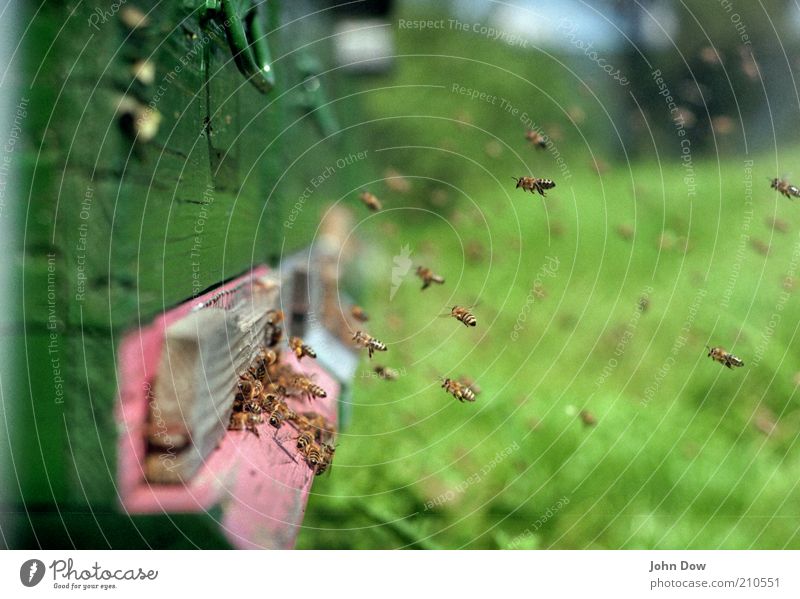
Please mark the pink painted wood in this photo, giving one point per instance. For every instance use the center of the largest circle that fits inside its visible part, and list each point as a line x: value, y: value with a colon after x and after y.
x: 262, y: 483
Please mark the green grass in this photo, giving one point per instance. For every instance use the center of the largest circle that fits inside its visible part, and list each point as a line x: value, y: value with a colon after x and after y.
x: 676, y: 459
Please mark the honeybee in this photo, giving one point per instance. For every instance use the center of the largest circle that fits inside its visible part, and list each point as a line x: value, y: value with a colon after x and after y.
x: 428, y: 277
x: 326, y: 462
x: 588, y: 418
x: 314, y: 455
x: 370, y: 201
x: 785, y: 188
x: 249, y: 390
x: 304, y: 439
x: 536, y: 138
x: 534, y: 184
x: 386, y: 373
x: 464, y: 315
x: 369, y: 342
x: 719, y: 354
x: 470, y: 384
x: 323, y: 430
x: 309, y: 388
x: 260, y: 366
x: 279, y: 414
x: 359, y: 314
x: 245, y: 421
x: 461, y: 392
x: 274, y: 331
x: 644, y: 304
x: 300, y: 349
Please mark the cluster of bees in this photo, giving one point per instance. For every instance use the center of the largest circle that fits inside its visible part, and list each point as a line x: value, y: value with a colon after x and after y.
x: 262, y: 391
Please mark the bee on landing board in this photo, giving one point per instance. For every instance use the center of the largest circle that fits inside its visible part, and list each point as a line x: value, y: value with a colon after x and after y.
x: 274, y: 331
x: 300, y: 349
x: 245, y: 421
x: 310, y: 389
x: 370, y: 201
x: 785, y: 188
x: 534, y: 184
x: 304, y: 439
x: 458, y: 390
x: 372, y: 345
x: 536, y: 138
x: 328, y: 452
x: 428, y: 277
x: 719, y: 354
x: 358, y: 313
x: 464, y: 315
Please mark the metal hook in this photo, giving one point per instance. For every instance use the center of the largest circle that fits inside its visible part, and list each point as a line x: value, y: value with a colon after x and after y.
x: 247, y: 38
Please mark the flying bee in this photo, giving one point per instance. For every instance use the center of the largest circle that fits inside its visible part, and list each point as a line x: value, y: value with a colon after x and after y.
x: 461, y: 392
x: 588, y: 418
x: 470, y: 384
x: 534, y: 184
x: 300, y: 349
x: 369, y: 342
x: 428, y: 277
x: 274, y: 331
x: 785, y: 188
x: 370, y: 201
x: 308, y: 387
x: 386, y: 373
x: 536, y: 138
x: 358, y: 313
x: 719, y: 354
x: 464, y: 315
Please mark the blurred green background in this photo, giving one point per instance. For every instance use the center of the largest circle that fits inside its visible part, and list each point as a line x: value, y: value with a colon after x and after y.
x: 616, y: 282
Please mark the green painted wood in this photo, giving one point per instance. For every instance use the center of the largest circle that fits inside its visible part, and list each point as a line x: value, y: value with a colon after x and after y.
x: 119, y: 230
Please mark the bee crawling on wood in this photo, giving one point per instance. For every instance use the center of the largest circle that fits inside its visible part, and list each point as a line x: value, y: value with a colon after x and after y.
x: 534, y: 184
x: 369, y: 342
x: 370, y: 201
x: 464, y: 315
x: 245, y: 421
x: 274, y: 331
x: 326, y: 462
x: 458, y: 390
x: 536, y: 138
x: 357, y: 312
x: 279, y: 414
x: 310, y: 389
x: 304, y: 439
x: 261, y: 365
x: 300, y: 349
x: 719, y: 354
x: 314, y: 455
x: 785, y: 188
x: 428, y: 277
